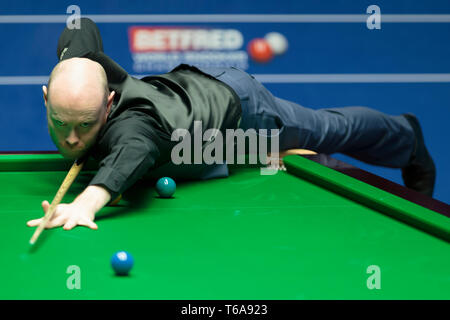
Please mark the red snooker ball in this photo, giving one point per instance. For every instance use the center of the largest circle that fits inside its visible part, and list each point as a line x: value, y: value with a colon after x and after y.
x: 260, y: 50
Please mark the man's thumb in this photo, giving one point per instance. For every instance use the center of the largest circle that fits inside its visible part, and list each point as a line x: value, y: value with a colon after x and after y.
x: 45, y: 205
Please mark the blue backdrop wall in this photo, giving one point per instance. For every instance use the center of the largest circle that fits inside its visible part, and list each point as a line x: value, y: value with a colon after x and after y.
x: 333, y: 58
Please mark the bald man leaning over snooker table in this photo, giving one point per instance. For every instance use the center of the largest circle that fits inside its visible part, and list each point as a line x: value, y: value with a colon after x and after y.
x: 125, y: 123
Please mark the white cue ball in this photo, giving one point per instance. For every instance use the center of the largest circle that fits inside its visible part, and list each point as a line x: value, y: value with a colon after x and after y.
x: 277, y: 42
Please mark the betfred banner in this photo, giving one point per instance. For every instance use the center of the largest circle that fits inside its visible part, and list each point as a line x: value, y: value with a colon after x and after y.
x: 159, y: 49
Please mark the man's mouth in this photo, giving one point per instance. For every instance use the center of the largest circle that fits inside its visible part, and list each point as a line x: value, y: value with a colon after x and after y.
x: 73, y: 154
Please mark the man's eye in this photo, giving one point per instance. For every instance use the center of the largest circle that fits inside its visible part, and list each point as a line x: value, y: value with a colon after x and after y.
x: 59, y: 123
x: 85, y: 124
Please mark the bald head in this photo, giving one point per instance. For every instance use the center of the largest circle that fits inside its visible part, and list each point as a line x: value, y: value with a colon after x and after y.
x: 78, y: 82
x: 78, y: 102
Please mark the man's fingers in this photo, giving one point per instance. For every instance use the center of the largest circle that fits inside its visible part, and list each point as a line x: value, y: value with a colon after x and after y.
x: 63, y: 216
x: 83, y: 222
x: 45, y: 205
x: 50, y: 224
x: 56, y: 222
x: 61, y: 221
x: 70, y: 224
x: 90, y: 224
x: 34, y: 223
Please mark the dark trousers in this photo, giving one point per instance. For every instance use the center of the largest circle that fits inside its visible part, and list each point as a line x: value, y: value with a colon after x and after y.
x: 360, y: 132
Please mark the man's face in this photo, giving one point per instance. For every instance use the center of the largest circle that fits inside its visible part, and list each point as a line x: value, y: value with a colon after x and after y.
x: 76, y: 105
x: 74, y: 130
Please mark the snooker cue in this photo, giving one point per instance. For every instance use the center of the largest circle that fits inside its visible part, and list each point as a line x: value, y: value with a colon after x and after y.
x: 73, y: 173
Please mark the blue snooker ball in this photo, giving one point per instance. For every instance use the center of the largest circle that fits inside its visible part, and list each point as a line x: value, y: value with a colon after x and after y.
x: 165, y: 187
x: 122, y: 262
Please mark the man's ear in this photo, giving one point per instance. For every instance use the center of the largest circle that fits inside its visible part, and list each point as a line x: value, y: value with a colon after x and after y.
x: 110, y: 101
x: 44, y: 91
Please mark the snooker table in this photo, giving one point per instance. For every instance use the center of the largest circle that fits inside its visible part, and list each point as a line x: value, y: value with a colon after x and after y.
x: 310, y: 232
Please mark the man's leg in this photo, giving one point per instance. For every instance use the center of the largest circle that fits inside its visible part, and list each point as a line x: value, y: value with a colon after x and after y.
x: 78, y: 42
x: 365, y: 134
x: 360, y: 132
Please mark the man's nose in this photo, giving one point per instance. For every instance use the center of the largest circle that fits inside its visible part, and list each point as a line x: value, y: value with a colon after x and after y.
x: 72, y: 139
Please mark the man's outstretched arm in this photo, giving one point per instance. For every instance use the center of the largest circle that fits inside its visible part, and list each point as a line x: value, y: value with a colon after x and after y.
x: 129, y: 148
